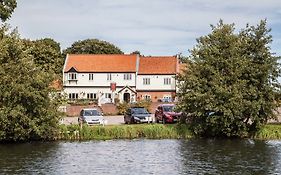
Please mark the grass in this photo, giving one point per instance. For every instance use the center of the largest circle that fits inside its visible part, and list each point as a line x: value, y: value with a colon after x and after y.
x: 149, y: 131
x: 270, y: 131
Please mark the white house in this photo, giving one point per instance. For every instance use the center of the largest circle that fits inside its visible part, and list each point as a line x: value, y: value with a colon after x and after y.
x: 126, y: 77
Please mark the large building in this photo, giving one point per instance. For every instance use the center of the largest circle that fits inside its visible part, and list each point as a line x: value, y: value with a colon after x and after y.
x: 125, y: 77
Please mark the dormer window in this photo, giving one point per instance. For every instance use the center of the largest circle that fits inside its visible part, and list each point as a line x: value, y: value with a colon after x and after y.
x: 72, y: 76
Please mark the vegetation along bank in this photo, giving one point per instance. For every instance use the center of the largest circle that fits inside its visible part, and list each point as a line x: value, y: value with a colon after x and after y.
x: 148, y: 131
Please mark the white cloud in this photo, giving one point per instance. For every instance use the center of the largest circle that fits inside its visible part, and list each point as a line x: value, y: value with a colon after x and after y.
x: 155, y: 27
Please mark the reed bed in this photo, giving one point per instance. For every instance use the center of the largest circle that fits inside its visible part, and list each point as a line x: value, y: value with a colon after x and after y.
x: 149, y: 131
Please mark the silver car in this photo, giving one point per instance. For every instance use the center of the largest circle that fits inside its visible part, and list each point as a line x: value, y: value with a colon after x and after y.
x: 91, y: 116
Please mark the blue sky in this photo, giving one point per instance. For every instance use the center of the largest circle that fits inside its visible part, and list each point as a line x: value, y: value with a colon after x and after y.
x: 154, y: 27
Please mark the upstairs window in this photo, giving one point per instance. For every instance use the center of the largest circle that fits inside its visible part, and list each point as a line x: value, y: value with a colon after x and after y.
x: 167, y: 81
x: 108, y: 77
x: 72, y: 76
x: 91, y: 76
x: 146, y: 81
x: 127, y: 76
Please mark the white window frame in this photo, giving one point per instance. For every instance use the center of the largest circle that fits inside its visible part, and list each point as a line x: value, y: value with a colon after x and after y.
x: 91, y: 96
x: 167, y: 81
x: 146, y: 81
x: 127, y: 76
x: 109, y: 77
x: 108, y: 95
x: 91, y: 77
x: 73, y: 96
x: 72, y: 76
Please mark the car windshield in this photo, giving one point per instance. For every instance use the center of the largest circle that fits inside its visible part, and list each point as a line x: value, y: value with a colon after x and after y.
x: 139, y: 111
x: 168, y: 108
x: 91, y: 113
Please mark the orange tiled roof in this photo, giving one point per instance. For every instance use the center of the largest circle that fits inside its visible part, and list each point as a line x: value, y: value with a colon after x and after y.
x: 101, y: 63
x: 158, y: 65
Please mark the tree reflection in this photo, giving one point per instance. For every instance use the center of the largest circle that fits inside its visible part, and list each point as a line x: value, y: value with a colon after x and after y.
x: 212, y: 156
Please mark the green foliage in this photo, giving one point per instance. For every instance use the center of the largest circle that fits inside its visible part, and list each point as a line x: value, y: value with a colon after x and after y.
x: 92, y: 46
x: 123, y: 107
x: 28, y: 108
x: 7, y: 7
x: 234, y: 76
x: 272, y: 131
x: 150, y: 131
x: 46, y: 54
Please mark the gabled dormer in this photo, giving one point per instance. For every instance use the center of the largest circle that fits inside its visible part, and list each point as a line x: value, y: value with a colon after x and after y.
x: 71, y: 74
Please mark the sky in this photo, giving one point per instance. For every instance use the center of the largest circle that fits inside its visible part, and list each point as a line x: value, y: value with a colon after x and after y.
x: 153, y: 27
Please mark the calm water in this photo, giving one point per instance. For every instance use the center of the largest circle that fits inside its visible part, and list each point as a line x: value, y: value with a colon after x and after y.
x: 143, y: 157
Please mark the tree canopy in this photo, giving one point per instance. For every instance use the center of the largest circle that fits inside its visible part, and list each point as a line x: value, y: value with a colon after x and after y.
x: 230, y: 86
x: 92, y: 46
x: 27, y: 111
x: 7, y: 7
x: 46, y: 54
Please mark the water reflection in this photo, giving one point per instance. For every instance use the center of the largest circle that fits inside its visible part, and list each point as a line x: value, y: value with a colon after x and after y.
x: 209, y: 156
x: 196, y: 156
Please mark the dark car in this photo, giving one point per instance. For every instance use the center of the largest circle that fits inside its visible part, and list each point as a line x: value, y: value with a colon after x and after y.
x: 137, y: 115
x: 166, y: 114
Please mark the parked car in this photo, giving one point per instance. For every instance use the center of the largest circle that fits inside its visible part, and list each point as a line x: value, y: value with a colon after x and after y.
x: 137, y: 115
x: 91, y: 116
x: 166, y: 114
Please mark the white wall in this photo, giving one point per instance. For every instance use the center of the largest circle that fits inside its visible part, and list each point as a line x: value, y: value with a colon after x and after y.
x: 156, y: 82
x: 99, y: 79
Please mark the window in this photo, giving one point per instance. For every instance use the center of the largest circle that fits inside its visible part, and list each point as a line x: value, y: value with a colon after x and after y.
x: 108, y: 76
x: 167, y: 81
x: 147, y: 97
x: 127, y: 76
x: 72, y: 76
x: 91, y: 96
x: 73, y: 95
x: 146, y: 81
x: 91, y: 76
x: 107, y: 95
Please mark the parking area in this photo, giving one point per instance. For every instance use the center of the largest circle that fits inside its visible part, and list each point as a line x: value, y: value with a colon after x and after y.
x: 109, y: 120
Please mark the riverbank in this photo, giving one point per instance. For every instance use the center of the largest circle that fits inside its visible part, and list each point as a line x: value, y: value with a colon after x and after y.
x: 149, y: 131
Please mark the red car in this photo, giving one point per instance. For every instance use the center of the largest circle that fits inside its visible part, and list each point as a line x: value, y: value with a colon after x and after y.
x: 166, y: 114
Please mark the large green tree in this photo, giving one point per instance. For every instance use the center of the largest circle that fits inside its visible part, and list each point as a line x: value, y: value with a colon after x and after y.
x: 230, y: 86
x: 27, y: 111
x: 7, y: 7
x: 92, y: 46
x: 46, y: 53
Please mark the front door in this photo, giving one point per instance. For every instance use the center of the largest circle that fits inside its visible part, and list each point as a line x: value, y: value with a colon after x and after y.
x: 126, y: 97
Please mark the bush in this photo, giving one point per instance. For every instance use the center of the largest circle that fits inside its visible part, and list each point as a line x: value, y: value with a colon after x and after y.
x: 122, y: 107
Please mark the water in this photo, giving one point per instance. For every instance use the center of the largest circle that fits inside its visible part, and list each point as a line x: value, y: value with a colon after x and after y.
x: 196, y: 156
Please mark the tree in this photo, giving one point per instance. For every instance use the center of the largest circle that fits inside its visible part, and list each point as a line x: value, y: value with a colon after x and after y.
x: 46, y: 53
x: 230, y: 86
x: 7, y: 7
x: 27, y: 111
x: 92, y: 46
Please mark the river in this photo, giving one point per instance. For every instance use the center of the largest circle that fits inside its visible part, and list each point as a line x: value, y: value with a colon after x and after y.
x: 142, y: 156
